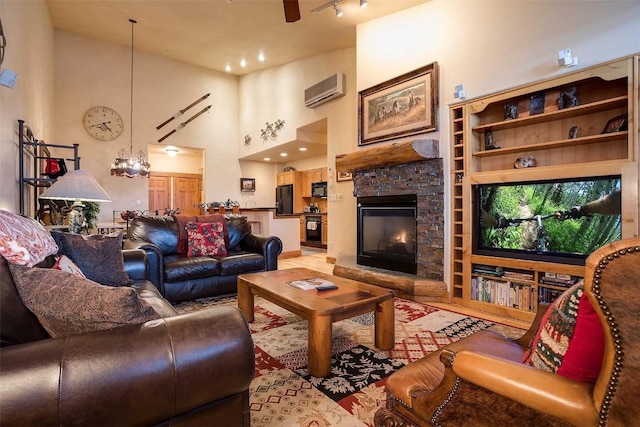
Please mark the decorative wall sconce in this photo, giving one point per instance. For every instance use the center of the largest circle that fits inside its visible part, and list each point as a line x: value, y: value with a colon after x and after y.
x: 271, y: 131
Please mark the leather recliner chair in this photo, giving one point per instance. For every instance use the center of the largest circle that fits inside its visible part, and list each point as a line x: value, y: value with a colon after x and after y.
x: 479, y: 380
x: 179, y: 277
x: 191, y: 369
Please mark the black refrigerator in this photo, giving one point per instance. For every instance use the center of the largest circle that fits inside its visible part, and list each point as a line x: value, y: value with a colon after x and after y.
x: 284, y: 199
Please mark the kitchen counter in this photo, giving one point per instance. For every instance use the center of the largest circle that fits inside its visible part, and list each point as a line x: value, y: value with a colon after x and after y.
x: 298, y: 215
x: 264, y: 221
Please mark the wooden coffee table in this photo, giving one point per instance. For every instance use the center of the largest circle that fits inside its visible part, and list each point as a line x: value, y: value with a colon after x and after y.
x: 321, y: 309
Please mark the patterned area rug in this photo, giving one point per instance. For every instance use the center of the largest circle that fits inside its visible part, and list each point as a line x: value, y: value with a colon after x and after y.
x: 284, y: 394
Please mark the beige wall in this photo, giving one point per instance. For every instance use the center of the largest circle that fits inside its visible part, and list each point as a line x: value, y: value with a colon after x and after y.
x: 29, y: 53
x: 491, y: 45
x: 90, y: 72
x: 278, y: 93
x: 181, y: 163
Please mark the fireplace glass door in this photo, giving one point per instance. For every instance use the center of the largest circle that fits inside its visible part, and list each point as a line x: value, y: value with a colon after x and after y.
x: 387, y: 232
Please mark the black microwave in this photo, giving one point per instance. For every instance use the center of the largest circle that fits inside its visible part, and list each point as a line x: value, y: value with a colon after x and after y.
x: 319, y: 189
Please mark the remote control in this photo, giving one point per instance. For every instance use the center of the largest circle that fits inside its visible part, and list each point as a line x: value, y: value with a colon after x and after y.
x: 326, y: 288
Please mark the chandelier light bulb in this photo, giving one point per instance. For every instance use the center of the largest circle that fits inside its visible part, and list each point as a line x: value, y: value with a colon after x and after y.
x: 243, y: 62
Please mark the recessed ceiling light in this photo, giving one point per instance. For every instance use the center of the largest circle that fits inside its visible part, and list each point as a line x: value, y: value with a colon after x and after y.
x: 261, y: 57
x: 227, y: 68
x: 283, y: 154
x: 243, y: 62
x: 302, y: 148
x: 266, y: 159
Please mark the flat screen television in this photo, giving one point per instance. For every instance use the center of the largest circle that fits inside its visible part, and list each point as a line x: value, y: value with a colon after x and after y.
x: 559, y: 221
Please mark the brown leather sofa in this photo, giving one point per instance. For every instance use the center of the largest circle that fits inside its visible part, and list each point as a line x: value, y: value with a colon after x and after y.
x: 183, y: 278
x: 191, y: 369
x: 479, y: 380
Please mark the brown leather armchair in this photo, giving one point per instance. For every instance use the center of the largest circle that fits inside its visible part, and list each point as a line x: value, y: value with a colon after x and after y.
x: 479, y: 380
x: 191, y: 369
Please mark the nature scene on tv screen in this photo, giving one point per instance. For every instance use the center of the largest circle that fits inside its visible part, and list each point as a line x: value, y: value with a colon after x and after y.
x: 573, y: 217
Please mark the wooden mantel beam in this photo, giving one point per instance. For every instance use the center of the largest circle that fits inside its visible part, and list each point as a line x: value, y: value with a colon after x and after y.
x: 388, y: 155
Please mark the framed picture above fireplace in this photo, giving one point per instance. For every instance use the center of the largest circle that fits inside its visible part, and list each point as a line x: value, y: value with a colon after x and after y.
x: 403, y: 106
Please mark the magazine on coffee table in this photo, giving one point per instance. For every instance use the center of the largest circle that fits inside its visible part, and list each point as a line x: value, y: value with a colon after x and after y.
x: 312, y: 283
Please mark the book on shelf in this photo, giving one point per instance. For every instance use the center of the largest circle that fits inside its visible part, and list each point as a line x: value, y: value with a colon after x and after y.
x: 311, y: 283
x: 557, y: 281
x: 490, y: 270
x: 548, y: 295
x: 520, y: 275
x: 503, y: 293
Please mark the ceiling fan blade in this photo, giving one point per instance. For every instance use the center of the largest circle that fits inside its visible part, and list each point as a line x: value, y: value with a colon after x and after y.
x: 291, y: 10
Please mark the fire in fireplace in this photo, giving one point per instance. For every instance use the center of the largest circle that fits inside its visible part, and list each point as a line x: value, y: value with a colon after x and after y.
x: 387, y: 232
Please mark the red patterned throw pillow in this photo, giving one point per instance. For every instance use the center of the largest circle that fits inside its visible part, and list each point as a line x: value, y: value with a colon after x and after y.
x: 205, y: 239
x: 570, y: 340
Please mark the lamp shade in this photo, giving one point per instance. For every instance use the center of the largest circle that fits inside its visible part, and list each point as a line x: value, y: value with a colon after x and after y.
x: 76, y: 185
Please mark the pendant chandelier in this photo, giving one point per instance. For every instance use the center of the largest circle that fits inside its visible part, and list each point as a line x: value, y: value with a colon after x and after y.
x: 127, y: 163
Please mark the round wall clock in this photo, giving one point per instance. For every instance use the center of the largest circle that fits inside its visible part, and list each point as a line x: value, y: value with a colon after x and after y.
x: 103, y: 123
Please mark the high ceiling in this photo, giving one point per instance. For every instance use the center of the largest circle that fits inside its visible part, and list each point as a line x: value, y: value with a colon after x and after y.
x: 217, y: 33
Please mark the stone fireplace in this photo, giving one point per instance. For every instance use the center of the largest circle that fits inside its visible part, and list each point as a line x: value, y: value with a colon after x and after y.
x: 425, y: 180
x: 411, y: 169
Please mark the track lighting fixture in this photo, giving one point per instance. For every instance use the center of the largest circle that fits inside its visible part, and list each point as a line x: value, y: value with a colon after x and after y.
x: 363, y: 3
x: 333, y: 3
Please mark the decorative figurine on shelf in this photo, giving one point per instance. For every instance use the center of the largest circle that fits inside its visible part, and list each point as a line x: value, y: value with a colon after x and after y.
x: 573, y: 132
x: 525, y: 162
x: 76, y: 218
x: 536, y: 106
x: 488, y: 141
x: 568, y: 98
x: 510, y: 111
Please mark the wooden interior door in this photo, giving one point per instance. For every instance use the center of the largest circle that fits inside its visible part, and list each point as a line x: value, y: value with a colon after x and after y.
x: 186, y: 194
x: 159, y: 192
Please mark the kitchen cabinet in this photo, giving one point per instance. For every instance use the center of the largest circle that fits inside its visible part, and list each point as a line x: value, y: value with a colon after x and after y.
x: 288, y: 177
x: 316, y: 175
x: 325, y: 230
x: 324, y: 174
x: 303, y: 229
x: 305, y: 185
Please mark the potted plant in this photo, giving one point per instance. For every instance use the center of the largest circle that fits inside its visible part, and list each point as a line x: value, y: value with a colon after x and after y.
x: 91, y: 211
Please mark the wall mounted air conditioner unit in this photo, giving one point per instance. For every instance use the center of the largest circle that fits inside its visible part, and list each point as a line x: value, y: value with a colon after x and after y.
x: 325, y: 91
